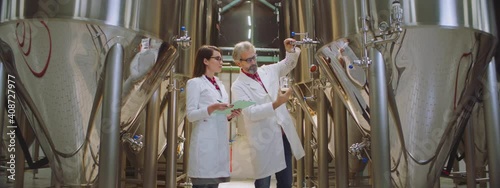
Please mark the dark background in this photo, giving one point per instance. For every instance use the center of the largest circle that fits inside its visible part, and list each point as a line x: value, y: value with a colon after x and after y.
x: 234, y: 25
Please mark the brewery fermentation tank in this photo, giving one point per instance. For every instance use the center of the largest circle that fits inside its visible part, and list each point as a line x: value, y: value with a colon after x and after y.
x: 435, y: 54
x: 57, y: 52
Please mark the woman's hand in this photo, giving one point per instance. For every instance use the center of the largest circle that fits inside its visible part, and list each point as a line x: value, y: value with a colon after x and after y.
x: 218, y: 106
x: 234, y: 113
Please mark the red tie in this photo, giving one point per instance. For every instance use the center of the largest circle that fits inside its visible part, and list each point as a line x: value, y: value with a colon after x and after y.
x: 212, y: 80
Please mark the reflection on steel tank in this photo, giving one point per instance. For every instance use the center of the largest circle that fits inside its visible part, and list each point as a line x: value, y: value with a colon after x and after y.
x: 57, y: 52
x: 435, y: 59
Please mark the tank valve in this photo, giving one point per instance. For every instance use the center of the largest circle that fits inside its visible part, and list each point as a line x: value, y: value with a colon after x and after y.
x: 187, y: 184
x: 135, y: 141
x: 313, y: 68
x: 180, y: 146
x: 306, y: 42
x: 357, y: 148
x: 184, y: 41
x: 397, y: 15
x: 310, y: 98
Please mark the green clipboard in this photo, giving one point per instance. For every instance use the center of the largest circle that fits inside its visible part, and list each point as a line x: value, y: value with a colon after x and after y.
x: 238, y: 104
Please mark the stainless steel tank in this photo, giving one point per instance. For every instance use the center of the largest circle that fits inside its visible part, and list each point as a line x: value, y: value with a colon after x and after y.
x: 434, y: 57
x: 299, y: 18
x: 58, y: 50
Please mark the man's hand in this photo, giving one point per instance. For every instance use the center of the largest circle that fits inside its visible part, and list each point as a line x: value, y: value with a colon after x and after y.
x: 288, y: 45
x: 234, y: 113
x: 282, y: 98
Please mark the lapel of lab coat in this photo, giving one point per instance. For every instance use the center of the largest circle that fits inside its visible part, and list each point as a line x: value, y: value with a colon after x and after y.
x: 218, y: 95
x: 254, y: 85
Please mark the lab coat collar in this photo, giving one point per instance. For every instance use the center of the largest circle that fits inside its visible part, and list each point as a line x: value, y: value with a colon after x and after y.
x: 219, y: 94
x: 253, y: 83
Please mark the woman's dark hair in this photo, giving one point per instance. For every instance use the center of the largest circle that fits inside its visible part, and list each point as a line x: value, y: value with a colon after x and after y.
x: 204, y: 52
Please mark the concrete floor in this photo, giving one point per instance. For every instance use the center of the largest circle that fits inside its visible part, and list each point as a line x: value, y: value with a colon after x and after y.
x: 42, y: 180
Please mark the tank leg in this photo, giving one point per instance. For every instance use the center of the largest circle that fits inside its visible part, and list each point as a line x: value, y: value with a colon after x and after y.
x: 3, y: 92
x: 341, y: 148
x: 300, y: 132
x: 470, y: 156
x: 492, y: 119
x: 109, y: 153
x: 322, y: 139
x: 171, y: 172
x: 151, y: 151
x: 379, y: 122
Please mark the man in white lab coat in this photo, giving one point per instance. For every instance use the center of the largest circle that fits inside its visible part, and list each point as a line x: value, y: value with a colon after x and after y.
x: 269, y: 127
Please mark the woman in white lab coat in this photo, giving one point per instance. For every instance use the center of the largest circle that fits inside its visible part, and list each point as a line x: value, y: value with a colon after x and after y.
x: 209, y: 150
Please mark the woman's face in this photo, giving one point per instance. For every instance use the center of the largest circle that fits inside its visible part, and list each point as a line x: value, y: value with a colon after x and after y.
x: 214, y: 63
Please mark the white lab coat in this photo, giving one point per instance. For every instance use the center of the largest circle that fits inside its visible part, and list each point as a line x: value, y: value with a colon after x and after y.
x: 262, y: 123
x: 209, y: 149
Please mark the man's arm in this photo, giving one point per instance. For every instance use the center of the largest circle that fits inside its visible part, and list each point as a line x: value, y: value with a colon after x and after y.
x: 292, y: 56
x: 255, y: 112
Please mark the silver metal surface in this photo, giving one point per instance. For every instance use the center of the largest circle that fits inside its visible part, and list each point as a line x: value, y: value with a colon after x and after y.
x: 59, y: 61
x: 309, y: 157
x: 151, y: 151
x: 299, y: 122
x: 492, y: 119
x: 152, y: 18
x: 470, y: 155
x: 110, y: 128
x: 480, y: 150
x: 299, y: 18
x: 432, y: 69
x: 341, y: 154
x: 340, y: 18
x: 20, y: 158
x: 322, y: 135
x: 187, y: 136
x: 379, y: 121
x: 3, y: 92
x: 171, y: 172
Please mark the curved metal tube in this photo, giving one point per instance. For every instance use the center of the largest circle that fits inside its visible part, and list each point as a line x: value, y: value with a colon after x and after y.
x: 3, y: 92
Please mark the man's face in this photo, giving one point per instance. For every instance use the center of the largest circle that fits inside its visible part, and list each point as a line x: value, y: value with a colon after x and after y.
x: 248, y: 62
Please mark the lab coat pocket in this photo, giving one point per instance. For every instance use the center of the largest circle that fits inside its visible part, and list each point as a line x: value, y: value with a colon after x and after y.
x: 207, y: 128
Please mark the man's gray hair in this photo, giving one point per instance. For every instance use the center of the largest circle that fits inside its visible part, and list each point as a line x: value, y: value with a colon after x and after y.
x: 240, y: 48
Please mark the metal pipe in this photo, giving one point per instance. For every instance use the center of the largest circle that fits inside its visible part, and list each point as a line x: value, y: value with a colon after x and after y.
x: 110, y: 128
x: 187, y: 135
x: 470, y: 157
x: 256, y: 49
x: 300, y: 131
x: 322, y: 138
x: 341, y: 148
x: 123, y: 167
x: 230, y: 5
x: 36, y: 154
x: 171, y: 134
x: 3, y: 92
x: 252, y: 26
x: 379, y: 122
x: 308, y: 158
x: 492, y: 119
x: 268, y: 4
x: 151, y: 150
x: 20, y: 158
